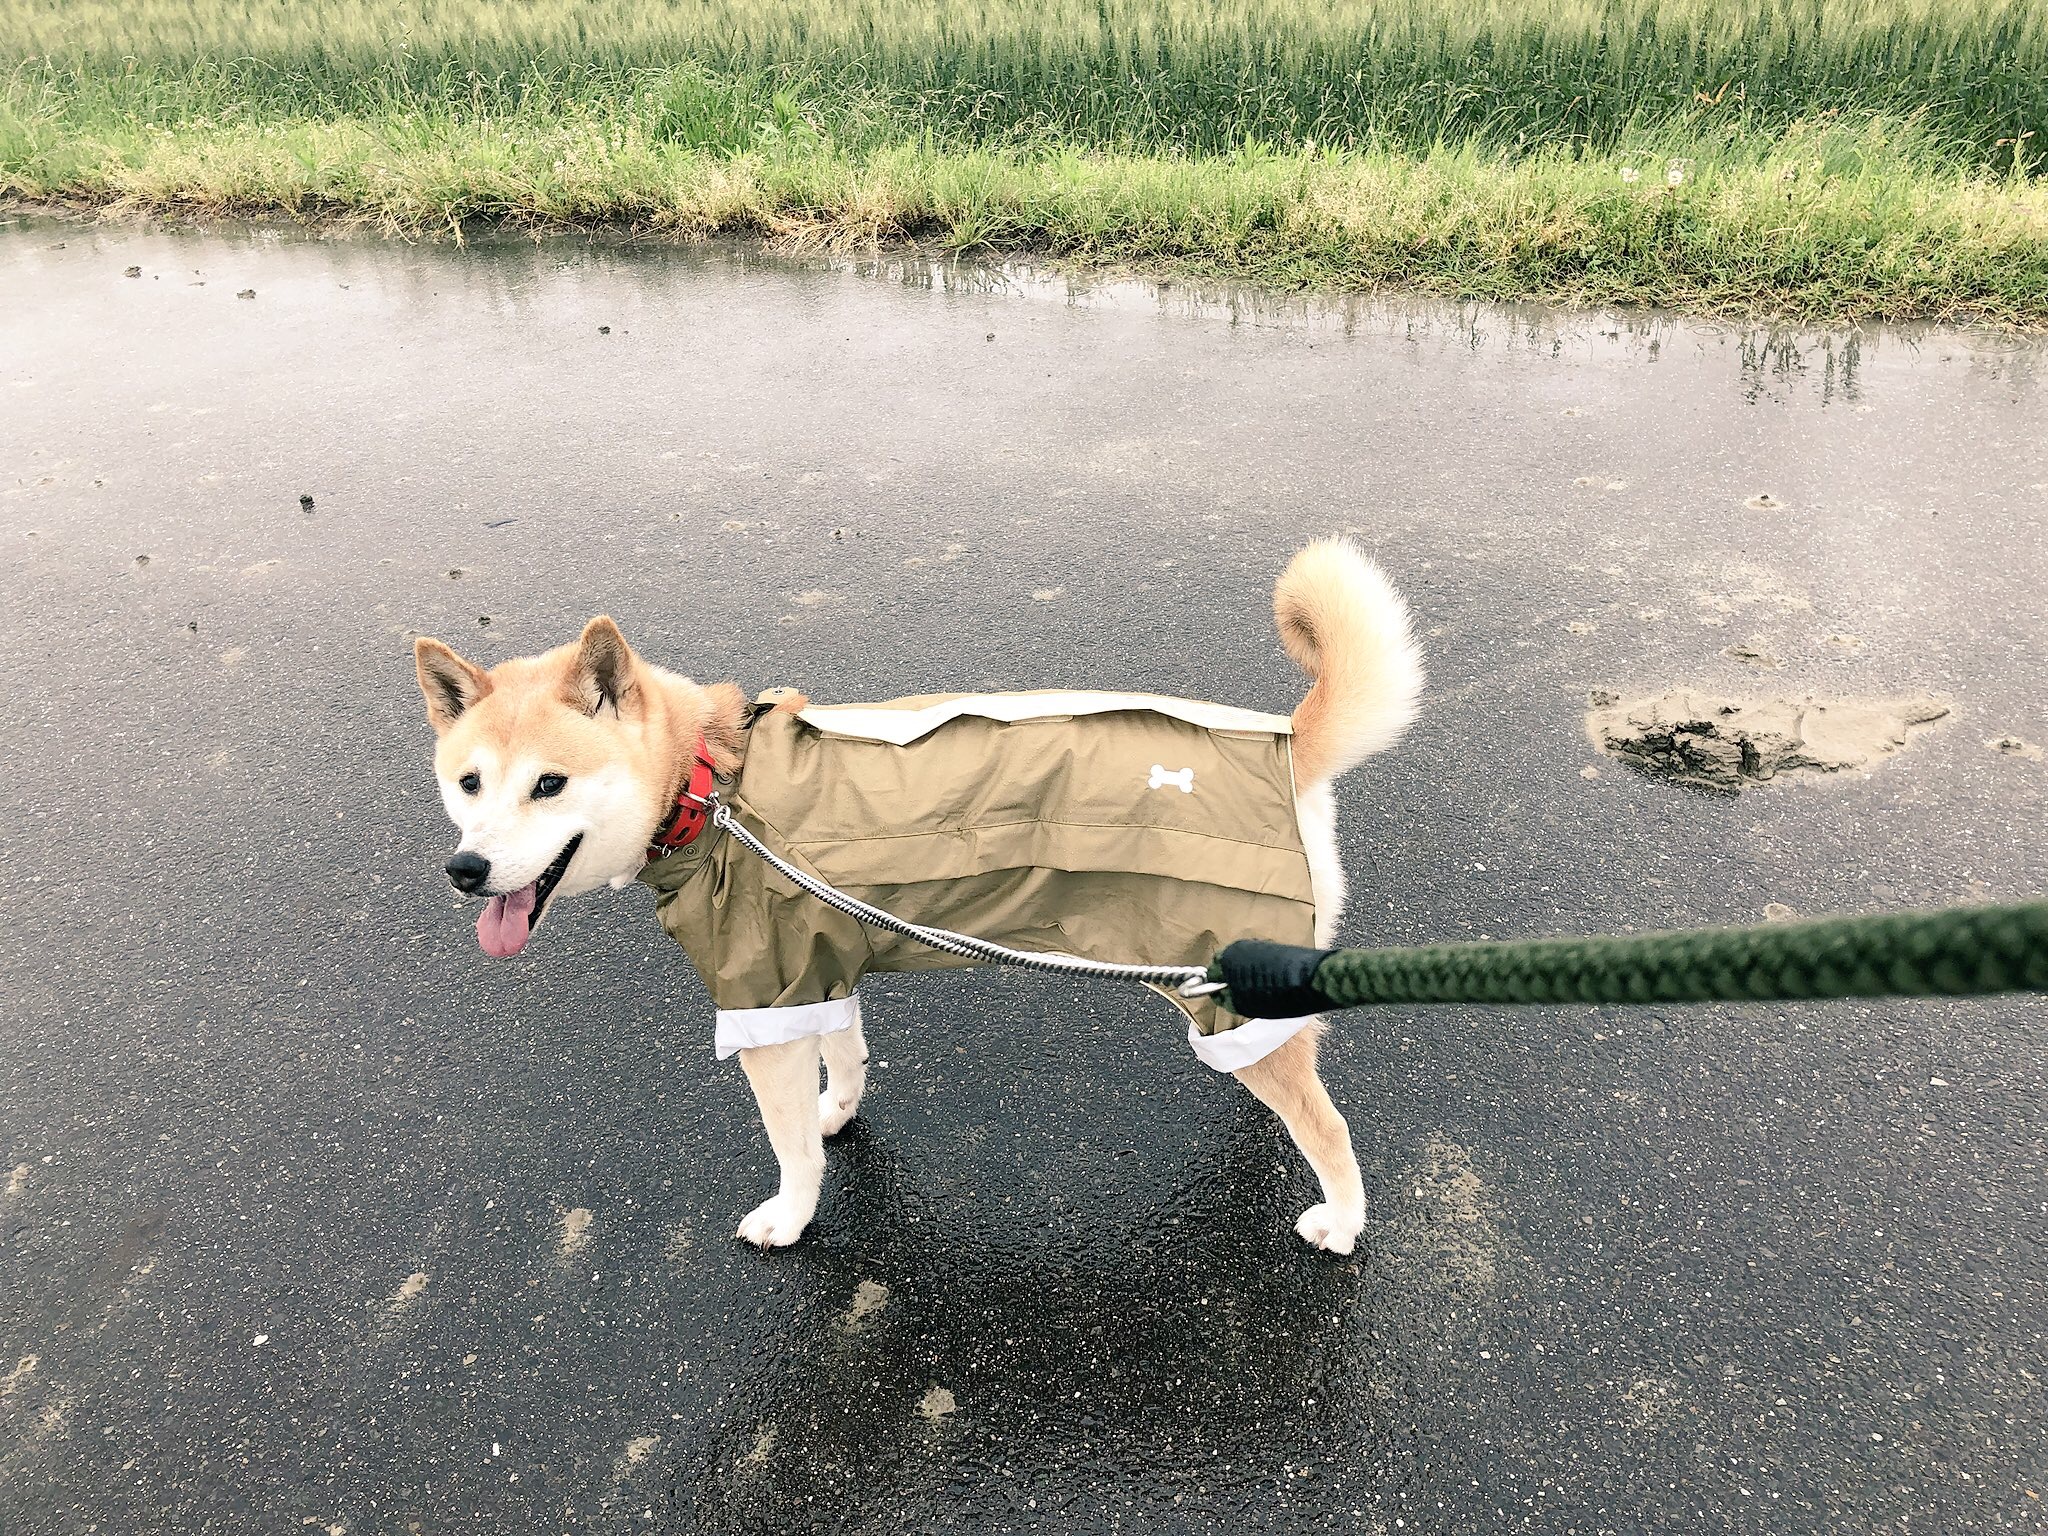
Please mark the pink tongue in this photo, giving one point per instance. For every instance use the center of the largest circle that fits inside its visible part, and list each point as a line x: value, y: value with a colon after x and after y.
x: 505, y: 923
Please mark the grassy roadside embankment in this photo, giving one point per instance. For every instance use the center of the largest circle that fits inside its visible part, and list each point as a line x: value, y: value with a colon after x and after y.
x: 1814, y: 159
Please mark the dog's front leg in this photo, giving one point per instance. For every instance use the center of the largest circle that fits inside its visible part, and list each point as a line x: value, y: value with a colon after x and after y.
x: 785, y: 1079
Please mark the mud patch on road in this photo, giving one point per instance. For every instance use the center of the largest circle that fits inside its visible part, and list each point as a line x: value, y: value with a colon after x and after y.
x: 676, y: 1250
x: 635, y: 1452
x: 1742, y: 588
x: 1730, y: 744
x: 1651, y: 1399
x: 2013, y: 746
x: 946, y: 556
x: 402, y: 1301
x: 756, y: 1459
x: 24, y: 1368
x: 1753, y: 652
x: 1444, y: 1230
x: 573, y: 1234
x: 869, y: 1298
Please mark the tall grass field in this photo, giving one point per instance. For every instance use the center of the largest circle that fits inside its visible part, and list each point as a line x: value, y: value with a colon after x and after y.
x: 1812, y: 159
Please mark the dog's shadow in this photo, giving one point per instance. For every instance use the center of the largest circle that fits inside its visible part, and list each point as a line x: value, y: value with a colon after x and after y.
x: 927, y: 1350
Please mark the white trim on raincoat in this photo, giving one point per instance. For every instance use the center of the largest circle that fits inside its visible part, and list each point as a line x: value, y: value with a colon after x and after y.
x: 903, y: 726
x: 1229, y: 1050
x: 741, y: 1029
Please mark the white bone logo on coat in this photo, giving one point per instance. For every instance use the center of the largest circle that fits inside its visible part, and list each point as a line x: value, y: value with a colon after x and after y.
x: 1183, y: 778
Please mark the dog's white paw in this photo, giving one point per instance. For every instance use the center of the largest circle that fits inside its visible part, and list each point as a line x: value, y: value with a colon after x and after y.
x: 774, y: 1223
x: 835, y: 1113
x: 1330, y: 1227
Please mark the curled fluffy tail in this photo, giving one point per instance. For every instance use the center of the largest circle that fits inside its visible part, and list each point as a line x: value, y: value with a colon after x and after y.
x: 1347, y: 628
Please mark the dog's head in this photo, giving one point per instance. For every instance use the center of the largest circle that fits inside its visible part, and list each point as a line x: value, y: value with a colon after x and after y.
x: 547, y: 767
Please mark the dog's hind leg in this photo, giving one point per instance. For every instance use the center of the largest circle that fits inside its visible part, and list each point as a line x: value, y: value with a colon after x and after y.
x: 1287, y: 1083
x: 785, y: 1079
x: 846, y: 1076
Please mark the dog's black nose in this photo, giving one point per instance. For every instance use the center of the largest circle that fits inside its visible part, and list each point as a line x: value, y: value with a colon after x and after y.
x: 469, y: 871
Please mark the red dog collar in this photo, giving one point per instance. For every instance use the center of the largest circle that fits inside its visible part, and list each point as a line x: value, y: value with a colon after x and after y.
x: 692, y: 810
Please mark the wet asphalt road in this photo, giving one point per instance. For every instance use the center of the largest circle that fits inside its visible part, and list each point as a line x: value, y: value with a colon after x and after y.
x: 317, y: 1219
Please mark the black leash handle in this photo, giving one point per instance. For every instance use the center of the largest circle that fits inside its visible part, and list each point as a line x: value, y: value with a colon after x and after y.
x: 1961, y: 952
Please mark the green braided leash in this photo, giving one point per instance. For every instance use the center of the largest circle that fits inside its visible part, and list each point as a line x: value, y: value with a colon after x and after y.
x: 1958, y: 953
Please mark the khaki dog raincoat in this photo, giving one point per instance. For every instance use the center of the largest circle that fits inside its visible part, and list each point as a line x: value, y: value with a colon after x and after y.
x: 1114, y: 826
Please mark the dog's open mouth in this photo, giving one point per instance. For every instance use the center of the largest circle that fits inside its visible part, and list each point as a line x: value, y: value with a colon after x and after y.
x: 506, y: 922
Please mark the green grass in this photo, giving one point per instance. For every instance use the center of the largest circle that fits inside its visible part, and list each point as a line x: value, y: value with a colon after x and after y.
x: 1822, y: 159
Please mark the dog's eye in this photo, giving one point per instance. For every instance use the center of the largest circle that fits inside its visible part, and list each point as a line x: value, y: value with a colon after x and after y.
x: 470, y: 782
x: 548, y: 785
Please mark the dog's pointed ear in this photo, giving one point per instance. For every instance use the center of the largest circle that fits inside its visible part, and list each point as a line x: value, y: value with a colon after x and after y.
x: 450, y: 683
x: 603, y: 673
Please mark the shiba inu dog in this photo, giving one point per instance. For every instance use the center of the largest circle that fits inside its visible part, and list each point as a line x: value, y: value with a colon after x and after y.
x: 1117, y: 826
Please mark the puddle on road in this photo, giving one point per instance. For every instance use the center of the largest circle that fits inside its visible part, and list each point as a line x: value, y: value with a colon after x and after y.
x: 1772, y: 361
